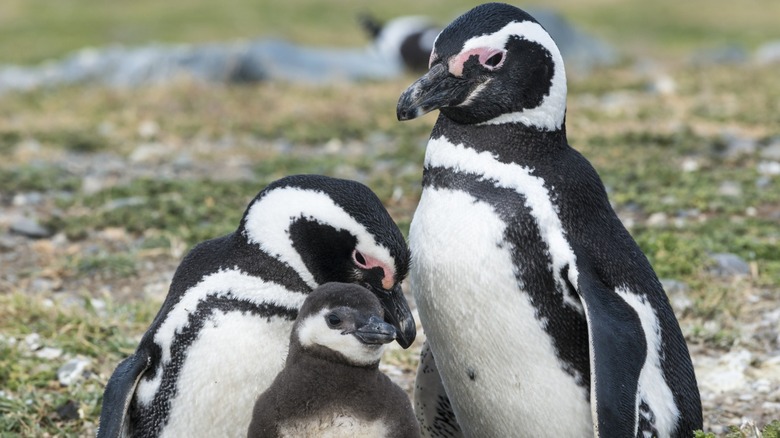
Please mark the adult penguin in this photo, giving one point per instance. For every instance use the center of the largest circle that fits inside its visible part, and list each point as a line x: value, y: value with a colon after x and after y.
x: 570, y: 331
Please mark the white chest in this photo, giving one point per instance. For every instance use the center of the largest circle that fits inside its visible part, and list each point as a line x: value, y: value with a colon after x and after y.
x: 333, y: 426
x: 234, y: 359
x: 497, y: 363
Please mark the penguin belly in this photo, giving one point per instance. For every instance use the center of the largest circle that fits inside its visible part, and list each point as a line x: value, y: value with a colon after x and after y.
x: 337, y: 425
x: 235, y: 358
x: 497, y: 363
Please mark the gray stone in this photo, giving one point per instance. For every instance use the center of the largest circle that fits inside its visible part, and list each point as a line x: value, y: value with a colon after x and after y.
x: 48, y: 353
x: 731, y: 189
x: 30, y: 228
x: 772, y: 150
x: 658, y: 219
x: 769, y: 168
x: 7, y: 243
x: 731, y: 54
x: 33, y: 341
x: 736, y: 145
x: 677, y: 291
x: 768, y: 53
x: 72, y: 371
x: 727, y: 265
x: 30, y: 198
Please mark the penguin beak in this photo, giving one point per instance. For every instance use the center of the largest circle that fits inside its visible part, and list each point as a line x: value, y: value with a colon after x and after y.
x: 436, y: 89
x: 375, y: 332
x: 398, y: 314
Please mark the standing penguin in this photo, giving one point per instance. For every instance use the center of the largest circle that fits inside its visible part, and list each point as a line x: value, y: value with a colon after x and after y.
x: 331, y: 386
x: 570, y: 332
x: 222, y: 333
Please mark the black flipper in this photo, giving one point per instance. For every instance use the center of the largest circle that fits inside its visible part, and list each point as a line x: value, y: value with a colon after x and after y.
x: 618, y: 350
x: 119, y: 393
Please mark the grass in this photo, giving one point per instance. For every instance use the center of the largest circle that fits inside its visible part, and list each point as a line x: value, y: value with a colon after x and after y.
x: 31, y: 394
x: 639, y: 149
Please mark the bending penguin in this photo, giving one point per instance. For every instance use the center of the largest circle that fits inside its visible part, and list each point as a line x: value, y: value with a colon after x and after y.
x: 514, y: 236
x: 331, y: 385
x: 222, y: 334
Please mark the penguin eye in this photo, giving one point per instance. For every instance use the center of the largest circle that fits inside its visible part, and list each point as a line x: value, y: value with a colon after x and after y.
x: 359, y: 259
x: 494, y: 60
x: 333, y: 320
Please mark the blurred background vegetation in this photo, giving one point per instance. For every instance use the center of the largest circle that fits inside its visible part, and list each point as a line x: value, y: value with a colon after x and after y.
x: 35, y: 30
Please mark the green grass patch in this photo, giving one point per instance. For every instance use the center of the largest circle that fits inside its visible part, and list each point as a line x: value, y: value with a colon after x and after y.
x: 190, y: 210
x: 37, y: 177
x: 31, y: 393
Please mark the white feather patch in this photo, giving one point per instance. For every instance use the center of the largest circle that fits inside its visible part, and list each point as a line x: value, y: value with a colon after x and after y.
x: 235, y: 358
x: 498, y: 364
x: 333, y: 425
x: 442, y: 153
x: 269, y: 219
x: 550, y: 113
x: 240, y: 285
x: 652, y: 388
x: 315, y: 331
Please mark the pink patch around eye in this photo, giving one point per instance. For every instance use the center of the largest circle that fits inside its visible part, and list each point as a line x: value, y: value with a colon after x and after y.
x: 365, y: 261
x: 490, y: 58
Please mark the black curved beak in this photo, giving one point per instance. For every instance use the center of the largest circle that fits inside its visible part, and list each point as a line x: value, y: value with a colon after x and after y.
x: 435, y: 89
x: 398, y: 314
x: 375, y: 332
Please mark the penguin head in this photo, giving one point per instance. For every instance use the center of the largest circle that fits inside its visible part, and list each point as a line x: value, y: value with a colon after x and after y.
x: 344, y: 323
x: 334, y: 230
x: 494, y: 64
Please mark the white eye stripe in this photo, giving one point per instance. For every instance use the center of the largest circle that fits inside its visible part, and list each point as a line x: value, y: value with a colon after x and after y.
x: 271, y: 230
x: 550, y: 113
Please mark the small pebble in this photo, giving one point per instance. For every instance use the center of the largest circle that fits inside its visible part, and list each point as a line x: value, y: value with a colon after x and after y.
x: 30, y: 228
x: 33, y: 341
x: 727, y: 265
x: 72, y: 371
x: 48, y: 353
x: 769, y: 168
x: 148, y: 129
x: 732, y: 189
x: 772, y: 151
x: 690, y: 165
x: 657, y: 220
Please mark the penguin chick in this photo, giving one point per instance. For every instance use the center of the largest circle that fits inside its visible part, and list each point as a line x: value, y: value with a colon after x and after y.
x: 331, y: 385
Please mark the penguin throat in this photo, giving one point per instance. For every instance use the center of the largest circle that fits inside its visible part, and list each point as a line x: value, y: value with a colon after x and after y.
x: 509, y: 143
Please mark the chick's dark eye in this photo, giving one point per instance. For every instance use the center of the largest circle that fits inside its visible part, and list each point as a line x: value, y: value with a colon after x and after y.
x: 333, y: 320
x: 494, y: 60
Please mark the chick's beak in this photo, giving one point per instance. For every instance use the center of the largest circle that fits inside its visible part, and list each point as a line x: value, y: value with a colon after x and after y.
x: 375, y: 332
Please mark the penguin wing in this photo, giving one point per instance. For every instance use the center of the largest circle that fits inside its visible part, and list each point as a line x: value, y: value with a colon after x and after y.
x: 617, y: 353
x: 119, y: 393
